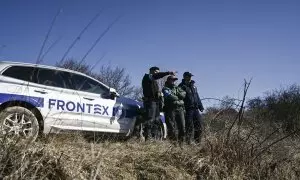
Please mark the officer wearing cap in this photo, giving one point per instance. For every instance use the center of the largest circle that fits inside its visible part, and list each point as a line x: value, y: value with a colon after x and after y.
x: 192, y: 105
x: 152, y: 96
x: 174, y: 110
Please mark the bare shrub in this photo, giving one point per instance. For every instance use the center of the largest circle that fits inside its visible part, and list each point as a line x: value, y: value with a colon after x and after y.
x: 278, y: 109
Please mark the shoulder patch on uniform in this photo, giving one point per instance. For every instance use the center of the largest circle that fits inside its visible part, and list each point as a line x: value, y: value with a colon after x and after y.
x: 166, y: 92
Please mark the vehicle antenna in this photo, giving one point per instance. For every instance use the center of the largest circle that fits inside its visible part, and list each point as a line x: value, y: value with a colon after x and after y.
x: 47, y: 36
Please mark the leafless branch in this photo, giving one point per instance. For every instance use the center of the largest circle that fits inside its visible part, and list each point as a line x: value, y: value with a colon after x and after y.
x: 98, y: 39
x: 47, y: 36
x: 275, y: 142
x: 50, y: 47
x: 79, y: 36
x: 241, y: 111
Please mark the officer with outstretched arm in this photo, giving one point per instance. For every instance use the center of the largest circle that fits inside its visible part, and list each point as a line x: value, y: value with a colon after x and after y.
x: 151, y: 99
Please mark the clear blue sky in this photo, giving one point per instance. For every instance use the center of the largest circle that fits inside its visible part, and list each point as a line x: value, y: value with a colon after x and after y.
x: 221, y: 42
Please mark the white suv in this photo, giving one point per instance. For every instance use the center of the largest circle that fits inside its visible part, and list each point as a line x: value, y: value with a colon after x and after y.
x: 42, y: 98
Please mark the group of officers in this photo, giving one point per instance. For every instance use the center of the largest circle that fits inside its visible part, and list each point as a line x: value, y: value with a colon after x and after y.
x: 180, y: 104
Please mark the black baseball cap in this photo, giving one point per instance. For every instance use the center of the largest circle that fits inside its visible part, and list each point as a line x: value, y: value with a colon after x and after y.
x: 187, y: 74
x: 172, y: 78
x: 154, y: 68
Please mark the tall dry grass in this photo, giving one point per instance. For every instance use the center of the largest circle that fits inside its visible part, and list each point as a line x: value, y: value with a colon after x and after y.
x: 71, y: 156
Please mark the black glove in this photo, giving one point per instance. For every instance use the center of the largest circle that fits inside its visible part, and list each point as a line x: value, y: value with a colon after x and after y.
x: 201, y: 108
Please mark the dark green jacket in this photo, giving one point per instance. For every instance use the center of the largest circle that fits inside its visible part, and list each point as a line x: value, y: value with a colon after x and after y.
x: 173, y: 97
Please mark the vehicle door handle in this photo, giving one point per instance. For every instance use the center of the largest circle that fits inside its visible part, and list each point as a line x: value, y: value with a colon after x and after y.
x: 90, y: 99
x: 40, y: 91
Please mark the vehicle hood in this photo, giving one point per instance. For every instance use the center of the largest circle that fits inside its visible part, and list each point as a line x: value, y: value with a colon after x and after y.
x: 129, y: 102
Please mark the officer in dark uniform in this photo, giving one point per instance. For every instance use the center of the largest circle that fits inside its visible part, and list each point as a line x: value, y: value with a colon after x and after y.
x: 152, y: 97
x: 193, y: 105
x: 174, y: 110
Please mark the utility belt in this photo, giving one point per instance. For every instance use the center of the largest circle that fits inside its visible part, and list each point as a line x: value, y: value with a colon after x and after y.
x: 157, y: 98
x: 191, y: 107
x: 173, y: 108
x: 145, y: 99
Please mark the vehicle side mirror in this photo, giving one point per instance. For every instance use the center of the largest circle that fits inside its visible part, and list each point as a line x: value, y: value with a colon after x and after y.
x: 113, y: 93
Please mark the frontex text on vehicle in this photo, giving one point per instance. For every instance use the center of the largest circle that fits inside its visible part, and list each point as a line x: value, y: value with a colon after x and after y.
x: 38, y: 98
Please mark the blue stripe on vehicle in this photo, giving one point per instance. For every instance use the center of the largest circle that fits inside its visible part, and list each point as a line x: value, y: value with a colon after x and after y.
x: 35, y: 101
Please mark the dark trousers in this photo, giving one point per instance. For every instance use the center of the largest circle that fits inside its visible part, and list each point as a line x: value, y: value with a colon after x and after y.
x: 153, y: 123
x: 175, y: 121
x: 194, y: 125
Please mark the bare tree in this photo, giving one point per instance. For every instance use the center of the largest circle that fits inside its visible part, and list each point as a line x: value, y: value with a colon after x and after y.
x: 137, y: 94
x: 115, y: 77
x: 72, y: 64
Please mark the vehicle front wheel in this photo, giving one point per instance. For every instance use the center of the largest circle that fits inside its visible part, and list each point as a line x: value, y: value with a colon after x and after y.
x: 18, y: 123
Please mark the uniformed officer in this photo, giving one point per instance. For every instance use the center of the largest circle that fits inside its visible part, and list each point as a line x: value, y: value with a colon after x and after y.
x: 193, y: 105
x: 152, y: 97
x: 174, y: 109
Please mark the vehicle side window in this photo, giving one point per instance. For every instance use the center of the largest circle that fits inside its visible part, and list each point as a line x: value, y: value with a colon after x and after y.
x: 67, y: 78
x: 20, y: 72
x: 49, y: 77
x: 82, y: 83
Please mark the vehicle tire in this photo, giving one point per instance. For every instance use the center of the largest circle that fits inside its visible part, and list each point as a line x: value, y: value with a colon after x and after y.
x: 18, y: 123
